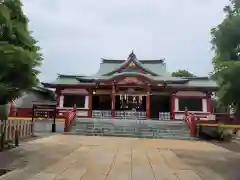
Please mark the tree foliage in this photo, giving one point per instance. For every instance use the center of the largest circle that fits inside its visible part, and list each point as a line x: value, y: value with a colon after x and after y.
x: 19, y: 53
x: 182, y: 73
x: 226, y: 37
x: 229, y: 93
x: 226, y: 61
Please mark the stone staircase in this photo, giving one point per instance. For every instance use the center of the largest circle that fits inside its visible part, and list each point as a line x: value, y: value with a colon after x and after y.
x: 131, y: 128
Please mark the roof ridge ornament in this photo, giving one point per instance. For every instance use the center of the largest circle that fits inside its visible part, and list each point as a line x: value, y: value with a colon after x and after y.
x: 132, y: 65
x: 132, y: 57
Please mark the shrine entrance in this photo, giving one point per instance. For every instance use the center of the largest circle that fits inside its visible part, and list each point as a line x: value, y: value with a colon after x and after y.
x: 160, y: 107
x: 129, y: 102
x: 131, y: 99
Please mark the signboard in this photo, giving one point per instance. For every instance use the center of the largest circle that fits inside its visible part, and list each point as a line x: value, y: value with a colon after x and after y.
x: 46, y: 110
x: 130, y: 80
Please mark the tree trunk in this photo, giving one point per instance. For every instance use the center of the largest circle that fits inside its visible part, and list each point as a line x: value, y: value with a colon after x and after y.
x: 4, y: 111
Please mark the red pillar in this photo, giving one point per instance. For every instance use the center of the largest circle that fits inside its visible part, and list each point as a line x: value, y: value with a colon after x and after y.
x: 113, y: 100
x: 148, y: 103
x: 209, y: 103
x: 173, y: 96
x: 90, y: 95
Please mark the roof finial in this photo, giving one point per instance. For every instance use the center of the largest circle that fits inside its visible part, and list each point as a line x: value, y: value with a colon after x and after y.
x: 132, y: 54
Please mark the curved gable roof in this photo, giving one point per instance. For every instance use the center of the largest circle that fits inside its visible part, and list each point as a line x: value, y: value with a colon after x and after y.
x: 121, y: 64
x: 153, y: 67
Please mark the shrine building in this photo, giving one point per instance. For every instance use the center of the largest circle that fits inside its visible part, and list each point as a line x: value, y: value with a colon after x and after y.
x: 132, y: 88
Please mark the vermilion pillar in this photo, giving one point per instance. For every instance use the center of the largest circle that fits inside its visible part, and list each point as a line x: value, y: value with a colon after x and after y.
x: 173, y: 96
x: 113, y: 100
x: 148, y: 103
x: 90, y: 95
x: 209, y: 103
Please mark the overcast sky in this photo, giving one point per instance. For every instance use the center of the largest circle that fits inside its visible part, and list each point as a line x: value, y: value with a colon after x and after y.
x: 75, y: 34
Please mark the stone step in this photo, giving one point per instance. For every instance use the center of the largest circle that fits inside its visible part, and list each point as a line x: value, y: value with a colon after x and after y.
x: 140, y: 132
x: 132, y: 125
x: 128, y: 125
x: 131, y: 128
x: 162, y: 136
x: 117, y: 121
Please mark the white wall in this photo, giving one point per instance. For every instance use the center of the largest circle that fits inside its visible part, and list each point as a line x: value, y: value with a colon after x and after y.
x: 204, y: 105
x: 82, y: 113
x: 61, y: 101
x: 86, y: 102
x: 179, y: 116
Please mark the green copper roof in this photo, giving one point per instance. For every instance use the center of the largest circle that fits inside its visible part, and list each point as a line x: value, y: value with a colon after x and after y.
x: 199, y: 82
x: 66, y: 80
x: 202, y: 83
x: 133, y: 74
x: 106, y: 68
x: 156, y: 72
x: 157, y: 67
x: 174, y: 82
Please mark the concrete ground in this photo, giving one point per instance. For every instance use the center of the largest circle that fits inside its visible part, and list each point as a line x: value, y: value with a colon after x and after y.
x: 69, y: 157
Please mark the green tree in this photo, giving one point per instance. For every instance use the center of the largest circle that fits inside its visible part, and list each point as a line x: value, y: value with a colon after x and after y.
x: 229, y: 91
x: 19, y: 56
x: 19, y: 53
x: 226, y: 37
x: 226, y: 46
x: 182, y: 73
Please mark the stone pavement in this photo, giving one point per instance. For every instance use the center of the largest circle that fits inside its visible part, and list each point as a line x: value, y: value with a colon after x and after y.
x: 69, y: 157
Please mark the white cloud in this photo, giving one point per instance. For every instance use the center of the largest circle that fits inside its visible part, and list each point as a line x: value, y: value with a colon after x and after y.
x: 75, y: 34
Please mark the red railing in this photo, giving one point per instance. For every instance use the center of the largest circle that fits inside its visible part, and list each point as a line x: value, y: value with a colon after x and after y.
x: 69, y: 118
x: 191, y: 122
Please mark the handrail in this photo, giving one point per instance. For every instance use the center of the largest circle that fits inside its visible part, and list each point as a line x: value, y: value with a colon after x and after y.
x: 191, y: 122
x: 69, y: 118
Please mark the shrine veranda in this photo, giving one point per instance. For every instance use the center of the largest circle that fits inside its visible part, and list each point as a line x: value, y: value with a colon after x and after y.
x: 132, y: 88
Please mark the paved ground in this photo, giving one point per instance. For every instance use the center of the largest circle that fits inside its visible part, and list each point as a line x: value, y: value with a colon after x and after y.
x: 62, y: 157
